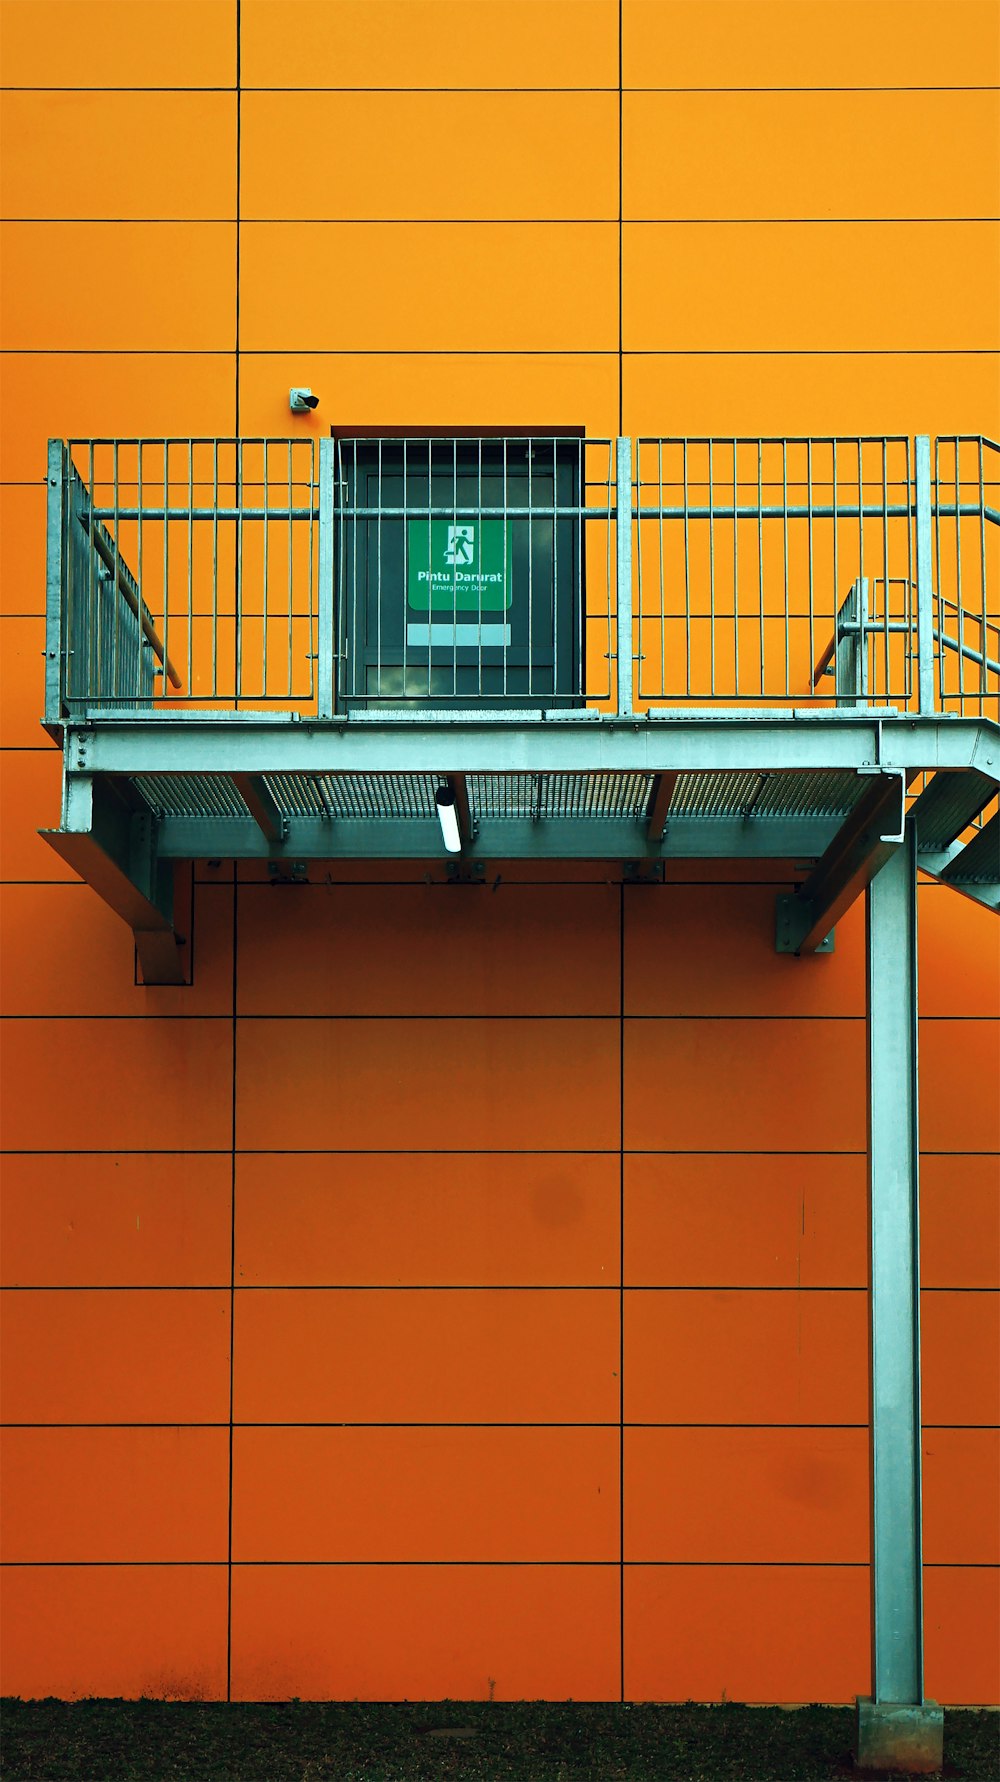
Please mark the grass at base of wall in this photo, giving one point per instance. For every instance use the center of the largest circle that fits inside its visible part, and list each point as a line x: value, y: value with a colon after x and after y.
x: 117, y: 1741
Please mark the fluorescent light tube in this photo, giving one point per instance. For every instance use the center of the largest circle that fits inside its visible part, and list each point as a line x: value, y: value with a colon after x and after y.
x: 444, y: 798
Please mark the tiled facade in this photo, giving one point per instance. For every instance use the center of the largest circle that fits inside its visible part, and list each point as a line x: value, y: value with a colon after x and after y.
x: 461, y: 1290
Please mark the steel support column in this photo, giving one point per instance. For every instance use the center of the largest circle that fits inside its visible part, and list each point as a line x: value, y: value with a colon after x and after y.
x: 897, y: 1728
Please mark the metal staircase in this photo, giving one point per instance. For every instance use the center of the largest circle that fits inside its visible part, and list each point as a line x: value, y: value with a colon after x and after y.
x: 781, y: 649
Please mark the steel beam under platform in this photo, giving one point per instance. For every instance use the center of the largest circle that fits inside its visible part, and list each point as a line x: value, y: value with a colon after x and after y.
x: 820, y: 788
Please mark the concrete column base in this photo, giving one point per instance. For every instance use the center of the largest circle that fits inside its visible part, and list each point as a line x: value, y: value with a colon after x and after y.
x: 899, y: 1736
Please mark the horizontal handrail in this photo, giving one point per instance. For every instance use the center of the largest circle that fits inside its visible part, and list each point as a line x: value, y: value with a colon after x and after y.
x: 127, y: 588
x: 689, y: 571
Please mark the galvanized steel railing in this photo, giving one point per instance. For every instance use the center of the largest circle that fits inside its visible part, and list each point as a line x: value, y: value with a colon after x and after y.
x: 379, y: 575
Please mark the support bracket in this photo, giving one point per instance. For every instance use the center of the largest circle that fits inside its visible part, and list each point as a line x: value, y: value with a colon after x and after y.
x: 253, y: 789
x: 873, y: 831
x: 114, y: 849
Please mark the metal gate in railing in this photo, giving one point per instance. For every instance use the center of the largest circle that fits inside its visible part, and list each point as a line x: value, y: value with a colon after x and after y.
x: 373, y: 575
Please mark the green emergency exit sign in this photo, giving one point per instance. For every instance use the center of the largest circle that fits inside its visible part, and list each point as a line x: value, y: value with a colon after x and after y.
x: 461, y: 565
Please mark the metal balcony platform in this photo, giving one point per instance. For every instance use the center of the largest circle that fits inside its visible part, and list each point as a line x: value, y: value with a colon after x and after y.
x: 784, y: 650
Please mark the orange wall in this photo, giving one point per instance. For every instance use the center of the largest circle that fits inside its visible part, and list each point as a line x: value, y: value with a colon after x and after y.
x: 456, y: 1291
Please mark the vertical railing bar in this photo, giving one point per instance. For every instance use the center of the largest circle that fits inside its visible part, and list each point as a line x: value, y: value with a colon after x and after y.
x: 454, y: 583
x: 663, y: 587
x: 406, y: 548
x: 116, y: 672
x: 325, y: 696
x: 940, y: 664
x: 580, y: 687
x: 982, y: 579
x: 836, y: 541
x: 312, y: 626
x: 711, y: 570
x: 809, y: 554
x: 760, y: 563
x: 862, y: 579
x: 784, y: 527
x: 92, y: 642
x: 736, y: 575
x: 623, y: 577
x: 166, y: 565
x: 960, y: 627
x: 265, y: 549
x: 361, y: 661
x: 886, y: 690
x: 612, y: 599
x: 190, y: 570
x: 58, y: 583
x: 555, y: 573
x: 142, y: 585
x: 687, y: 572
x: 925, y: 594
x: 290, y: 574
x: 531, y: 554
x: 378, y: 572
x: 215, y: 569
x: 506, y: 644
x: 479, y: 597
x: 239, y: 569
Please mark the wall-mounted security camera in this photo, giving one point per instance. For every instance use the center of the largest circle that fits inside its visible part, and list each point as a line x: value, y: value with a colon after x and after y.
x: 301, y: 401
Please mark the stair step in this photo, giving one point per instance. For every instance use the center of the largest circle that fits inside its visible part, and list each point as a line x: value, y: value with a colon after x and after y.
x: 979, y: 861
x: 948, y: 805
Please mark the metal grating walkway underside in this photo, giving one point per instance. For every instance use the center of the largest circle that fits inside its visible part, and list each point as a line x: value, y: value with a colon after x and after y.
x: 495, y: 798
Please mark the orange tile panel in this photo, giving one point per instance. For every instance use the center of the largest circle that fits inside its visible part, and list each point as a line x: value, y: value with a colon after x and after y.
x: 959, y: 1222
x: 746, y: 1496
x: 75, y: 1495
x: 412, y: 287
x: 744, y: 1085
x: 71, y: 955
x: 108, y: 395
x: 22, y: 667
x: 774, y: 392
x: 114, y: 43
x: 962, y: 1635
x: 960, y: 1085
x: 679, y: 279
x: 809, y: 43
x: 750, y: 1221
x: 140, y: 1219
x: 527, y: 949
x: 425, y: 1633
x: 745, y: 1357
x: 746, y: 1633
x: 558, y: 161
x: 427, y: 1085
x: 697, y: 950
x: 22, y: 552
x: 122, y: 1085
x: 426, y: 1495
x: 457, y: 1221
x: 122, y: 156
x: 119, y: 1630
x: 426, y: 1357
x: 119, y: 287
x: 960, y: 1346
x: 814, y: 155
x: 392, y: 43
x: 466, y: 391
x: 30, y: 799
x: 961, y: 1496
x: 959, y: 955
x: 77, y: 1356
